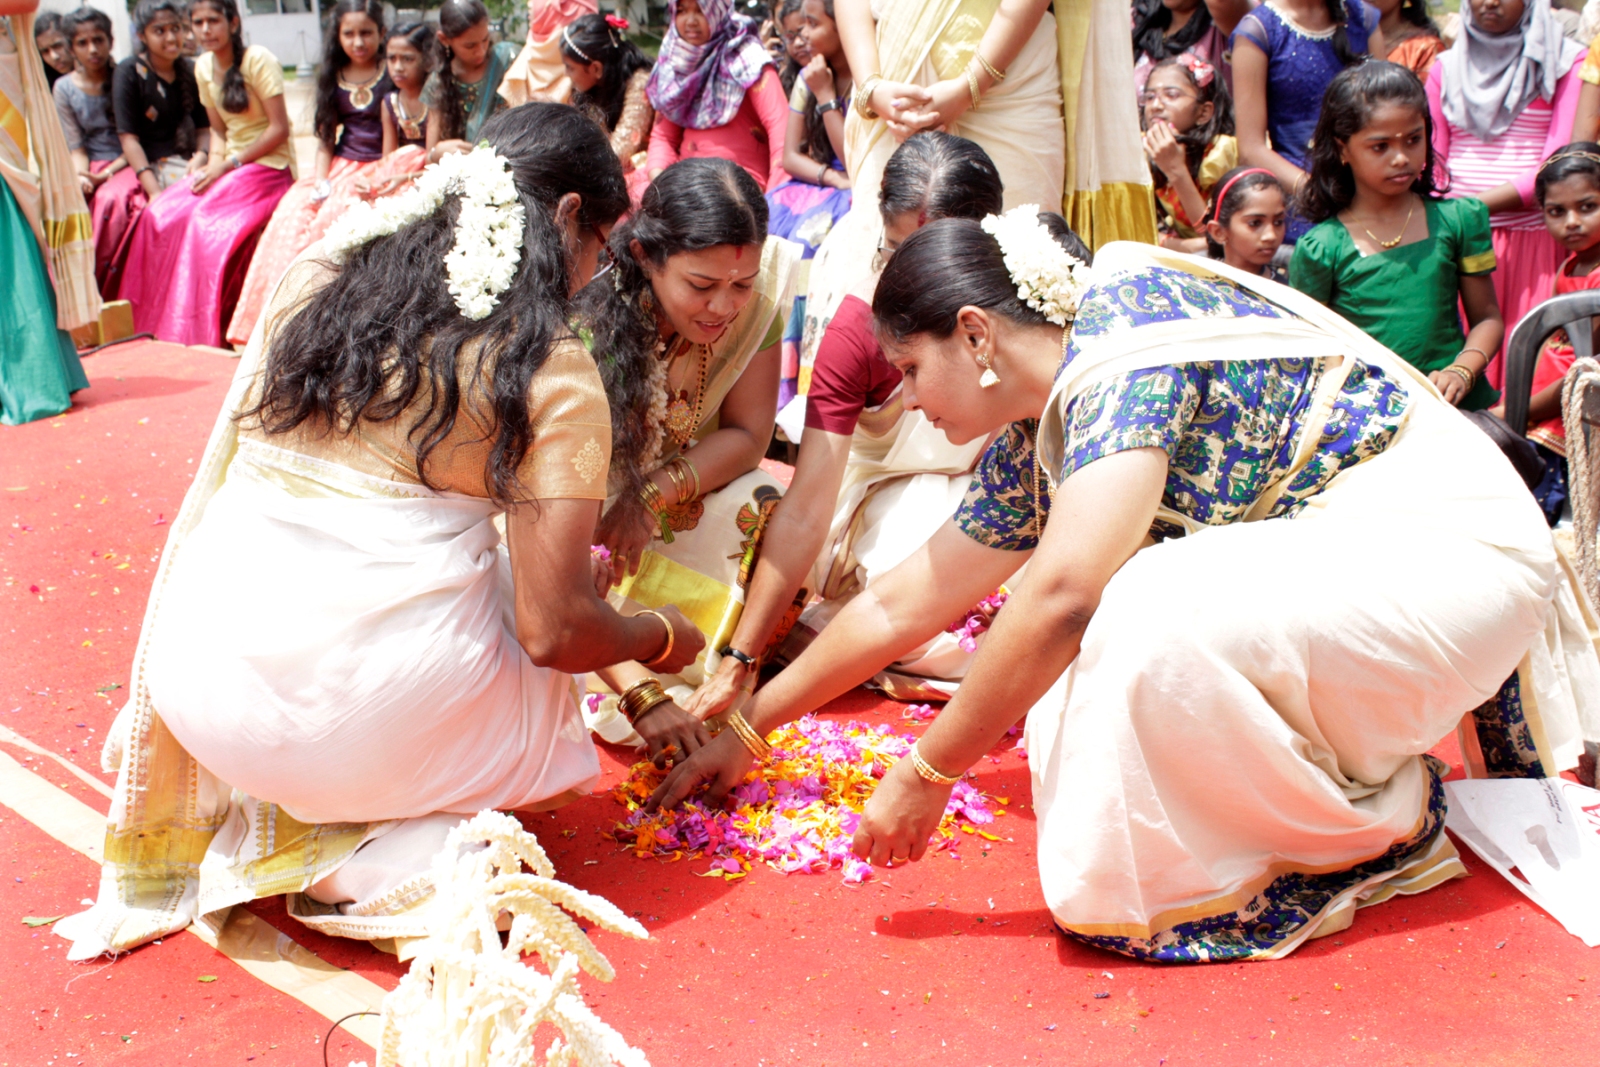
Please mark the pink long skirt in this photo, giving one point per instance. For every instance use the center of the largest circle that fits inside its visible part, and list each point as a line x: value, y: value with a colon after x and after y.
x: 115, y: 210
x: 190, y: 253
x: 293, y: 227
x: 1527, y: 262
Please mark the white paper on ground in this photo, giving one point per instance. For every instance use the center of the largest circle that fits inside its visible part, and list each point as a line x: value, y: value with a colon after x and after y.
x: 1548, y: 830
x: 792, y: 419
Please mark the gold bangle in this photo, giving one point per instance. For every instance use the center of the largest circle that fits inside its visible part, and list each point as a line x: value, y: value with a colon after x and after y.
x: 989, y: 68
x: 686, y: 465
x: 640, y: 697
x: 972, y: 86
x: 927, y: 773
x: 650, y: 493
x: 753, y: 741
x: 1464, y: 373
x: 654, y: 662
x: 863, y: 100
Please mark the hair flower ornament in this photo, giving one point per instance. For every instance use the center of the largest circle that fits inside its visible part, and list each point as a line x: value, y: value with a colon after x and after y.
x: 488, y: 247
x: 1048, y: 279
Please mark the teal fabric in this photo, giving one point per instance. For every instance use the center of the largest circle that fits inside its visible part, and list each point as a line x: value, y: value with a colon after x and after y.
x: 39, y: 366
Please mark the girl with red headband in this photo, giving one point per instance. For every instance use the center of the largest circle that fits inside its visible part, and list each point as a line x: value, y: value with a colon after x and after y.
x: 1247, y: 220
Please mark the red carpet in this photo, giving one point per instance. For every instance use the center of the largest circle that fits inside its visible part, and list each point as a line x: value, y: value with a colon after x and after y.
x: 946, y: 962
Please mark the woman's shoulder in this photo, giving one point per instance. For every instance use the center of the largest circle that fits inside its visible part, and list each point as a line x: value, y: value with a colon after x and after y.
x: 205, y: 65
x: 1464, y: 215
x: 1222, y: 155
x: 1324, y: 240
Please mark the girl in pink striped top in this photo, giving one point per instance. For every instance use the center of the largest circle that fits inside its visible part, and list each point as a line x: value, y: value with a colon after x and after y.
x: 1503, y: 100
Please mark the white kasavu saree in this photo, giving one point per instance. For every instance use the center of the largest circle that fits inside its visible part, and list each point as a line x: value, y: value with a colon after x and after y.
x: 327, y: 680
x: 1236, y: 760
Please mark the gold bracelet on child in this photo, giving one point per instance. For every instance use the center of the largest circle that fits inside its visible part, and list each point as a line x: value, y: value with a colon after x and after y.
x: 1464, y: 373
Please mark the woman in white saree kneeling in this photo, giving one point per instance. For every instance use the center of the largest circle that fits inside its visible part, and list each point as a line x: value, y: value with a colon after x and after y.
x: 1278, y: 568
x: 339, y: 661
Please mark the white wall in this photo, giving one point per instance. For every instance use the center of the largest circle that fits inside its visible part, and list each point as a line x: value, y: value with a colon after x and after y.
x: 282, y: 36
x: 121, y: 30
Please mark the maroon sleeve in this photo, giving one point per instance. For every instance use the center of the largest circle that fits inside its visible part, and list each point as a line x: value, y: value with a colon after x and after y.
x: 850, y: 372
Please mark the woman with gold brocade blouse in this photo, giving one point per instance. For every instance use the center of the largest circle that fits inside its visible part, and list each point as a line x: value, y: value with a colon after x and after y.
x: 393, y: 668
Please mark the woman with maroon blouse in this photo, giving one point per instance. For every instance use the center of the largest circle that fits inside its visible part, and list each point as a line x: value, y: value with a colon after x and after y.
x: 872, y: 482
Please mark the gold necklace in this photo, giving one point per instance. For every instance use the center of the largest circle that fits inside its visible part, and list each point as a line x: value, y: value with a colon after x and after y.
x: 360, y: 95
x: 1401, y: 236
x: 683, y: 413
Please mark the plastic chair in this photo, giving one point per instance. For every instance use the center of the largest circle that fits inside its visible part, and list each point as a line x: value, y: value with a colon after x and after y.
x: 1567, y: 311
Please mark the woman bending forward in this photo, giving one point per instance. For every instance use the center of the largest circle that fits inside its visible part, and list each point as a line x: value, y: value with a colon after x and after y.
x: 390, y: 668
x: 1278, y: 569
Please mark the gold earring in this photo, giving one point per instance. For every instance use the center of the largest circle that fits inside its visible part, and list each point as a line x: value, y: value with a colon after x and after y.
x: 988, y: 378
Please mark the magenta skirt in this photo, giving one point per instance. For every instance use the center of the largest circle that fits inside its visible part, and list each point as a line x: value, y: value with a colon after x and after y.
x: 189, y: 254
x: 1527, y: 262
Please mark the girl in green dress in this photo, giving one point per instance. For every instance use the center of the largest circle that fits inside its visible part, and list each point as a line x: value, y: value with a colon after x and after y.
x: 1387, y: 252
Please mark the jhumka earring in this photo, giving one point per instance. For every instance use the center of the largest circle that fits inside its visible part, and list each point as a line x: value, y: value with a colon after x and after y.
x: 988, y: 378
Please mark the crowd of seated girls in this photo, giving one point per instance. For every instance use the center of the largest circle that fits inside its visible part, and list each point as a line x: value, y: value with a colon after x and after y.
x: 182, y: 150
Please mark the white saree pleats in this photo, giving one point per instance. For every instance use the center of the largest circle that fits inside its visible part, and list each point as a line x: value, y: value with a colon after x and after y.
x: 1224, y: 776
x: 374, y: 672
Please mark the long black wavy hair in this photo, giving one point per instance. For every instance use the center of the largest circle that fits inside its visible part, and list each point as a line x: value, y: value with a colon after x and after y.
x: 951, y: 264
x: 693, y: 205
x: 1197, y: 140
x: 455, y: 18
x: 1347, y: 107
x: 591, y: 39
x: 235, y: 97
x: 385, y: 332
x: 325, y: 124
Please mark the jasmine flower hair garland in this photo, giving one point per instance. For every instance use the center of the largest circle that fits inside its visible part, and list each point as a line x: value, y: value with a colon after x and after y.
x: 1046, y: 275
x: 488, y: 246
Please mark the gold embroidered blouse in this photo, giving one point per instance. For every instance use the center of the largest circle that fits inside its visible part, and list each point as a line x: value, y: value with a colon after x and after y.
x: 570, y: 417
x: 632, y: 134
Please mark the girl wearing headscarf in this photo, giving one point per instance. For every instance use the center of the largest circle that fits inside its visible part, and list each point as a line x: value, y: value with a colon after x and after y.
x: 716, y: 93
x: 538, y: 73
x: 1503, y: 99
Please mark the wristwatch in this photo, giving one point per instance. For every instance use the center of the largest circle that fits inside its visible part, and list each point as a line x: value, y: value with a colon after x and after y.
x: 750, y: 663
x: 831, y: 105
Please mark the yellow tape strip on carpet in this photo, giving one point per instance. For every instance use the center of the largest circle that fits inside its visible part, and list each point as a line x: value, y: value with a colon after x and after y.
x: 256, y: 946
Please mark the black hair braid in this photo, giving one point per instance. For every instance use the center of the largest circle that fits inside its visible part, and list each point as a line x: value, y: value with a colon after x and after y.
x: 1339, y: 12
x: 235, y: 96
x: 456, y: 17
x: 384, y: 336
x: 693, y: 205
x: 325, y: 123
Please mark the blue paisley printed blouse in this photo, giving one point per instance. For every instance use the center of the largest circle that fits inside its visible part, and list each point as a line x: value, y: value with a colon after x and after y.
x: 1229, y: 428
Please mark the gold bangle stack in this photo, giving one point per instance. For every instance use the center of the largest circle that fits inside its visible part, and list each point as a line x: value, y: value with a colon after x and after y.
x: 655, y: 661
x: 685, y: 479
x: 640, y: 697
x: 1464, y: 373
x: 927, y: 773
x: 863, y: 98
x: 650, y: 494
x: 753, y: 741
x: 972, y: 86
x: 989, y: 68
